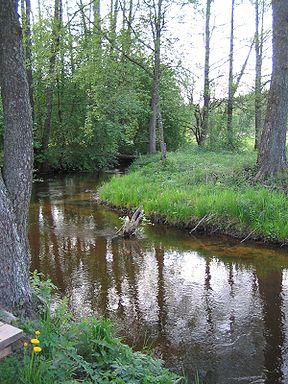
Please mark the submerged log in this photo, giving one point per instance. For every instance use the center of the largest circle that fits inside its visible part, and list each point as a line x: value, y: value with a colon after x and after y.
x: 130, y: 225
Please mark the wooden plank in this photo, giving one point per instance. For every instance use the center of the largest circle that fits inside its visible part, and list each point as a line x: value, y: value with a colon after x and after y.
x: 8, y: 335
x: 5, y: 352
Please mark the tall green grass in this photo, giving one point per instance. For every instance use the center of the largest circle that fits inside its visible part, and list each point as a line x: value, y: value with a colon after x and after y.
x: 192, y: 185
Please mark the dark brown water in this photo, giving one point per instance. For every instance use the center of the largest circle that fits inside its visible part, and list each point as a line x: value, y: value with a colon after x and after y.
x: 202, y: 303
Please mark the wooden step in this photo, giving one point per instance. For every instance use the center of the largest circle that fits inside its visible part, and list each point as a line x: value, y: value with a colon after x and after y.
x: 8, y: 335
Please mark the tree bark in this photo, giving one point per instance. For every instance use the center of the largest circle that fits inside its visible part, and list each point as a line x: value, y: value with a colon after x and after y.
x: 130, y: 225
x: 70, y: 42
x: 231, y: 92
x: 39, y: 11
x: 97, y: 24
x: 154, y: 105
x: 52, y: 65
x: 272, y: 152
x: 161, y: 134
x: 16, y: 177
x: 128, y: 19
x: 206, y: 96
x: 114, y: 10
x: 26, y: 27
x: 156, y: 21
x: 258, y: 70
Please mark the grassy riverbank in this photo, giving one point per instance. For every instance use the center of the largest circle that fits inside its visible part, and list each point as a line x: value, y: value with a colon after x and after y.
x: 212, y: 191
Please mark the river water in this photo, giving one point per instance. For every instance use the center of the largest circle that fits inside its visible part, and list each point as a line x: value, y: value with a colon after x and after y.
x: 208, y: 305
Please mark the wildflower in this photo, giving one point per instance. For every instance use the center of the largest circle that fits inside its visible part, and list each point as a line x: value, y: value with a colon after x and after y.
x: 34, y: 341
x: 25, y: 345
x: 37, y: 333
x: 37, y: 349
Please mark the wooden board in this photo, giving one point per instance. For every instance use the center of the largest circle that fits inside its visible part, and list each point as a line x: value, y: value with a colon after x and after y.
x: 8, y: 335
x: 5, y: 352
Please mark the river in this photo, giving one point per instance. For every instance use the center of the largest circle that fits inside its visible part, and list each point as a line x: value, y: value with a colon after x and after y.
x: 204, y: 304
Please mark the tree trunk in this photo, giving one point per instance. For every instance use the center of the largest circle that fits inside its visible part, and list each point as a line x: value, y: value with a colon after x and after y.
x: 161, y: 134
x: 231, y: 92
x: 26, y: 27
x: 131, y: 225
x: 52, y: 65
x: 39, y: 11
x: 206, y: 105
x: 70, y: 42
x: 114, y: 9
x: 16, y: 177
x: 84, y: 23
x: 258, y: 71
x: 97, y: 24
x: 272, y: 152
x: 156, y: 20
x: 127, y: 29
x: 154, y: 107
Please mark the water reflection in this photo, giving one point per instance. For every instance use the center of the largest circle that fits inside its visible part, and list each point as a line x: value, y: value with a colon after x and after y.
x: 205, y: 305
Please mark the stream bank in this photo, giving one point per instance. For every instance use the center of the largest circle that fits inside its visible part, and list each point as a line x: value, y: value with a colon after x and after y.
x: 204, y: 192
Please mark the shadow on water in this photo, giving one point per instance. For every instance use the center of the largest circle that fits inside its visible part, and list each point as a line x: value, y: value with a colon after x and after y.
x: 203, y: 304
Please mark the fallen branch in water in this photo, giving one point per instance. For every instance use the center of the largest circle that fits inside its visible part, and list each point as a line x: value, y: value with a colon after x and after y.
x: 130, y: 226
x: 247, y: 237
x: 205, y: 218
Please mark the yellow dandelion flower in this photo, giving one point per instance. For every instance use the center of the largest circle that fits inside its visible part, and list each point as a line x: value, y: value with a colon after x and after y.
x: 37, y: 349
x: 25, y: 345
x: 37, y: 333
x: 34, y: 341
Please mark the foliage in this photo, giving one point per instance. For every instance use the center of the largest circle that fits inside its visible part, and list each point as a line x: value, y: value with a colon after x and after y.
x: 87, y: 351
x: 101, y: 99
x: 217, y: 187
x: 243, y: 122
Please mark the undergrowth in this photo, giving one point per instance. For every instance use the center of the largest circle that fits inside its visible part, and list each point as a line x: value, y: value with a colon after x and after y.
x: 193, y: 185
x: 70, y: 352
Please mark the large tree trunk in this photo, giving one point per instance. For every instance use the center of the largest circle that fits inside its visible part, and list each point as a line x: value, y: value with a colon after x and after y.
x: 272, y: 153
x: 26, y: 27
x: 16, y: 177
